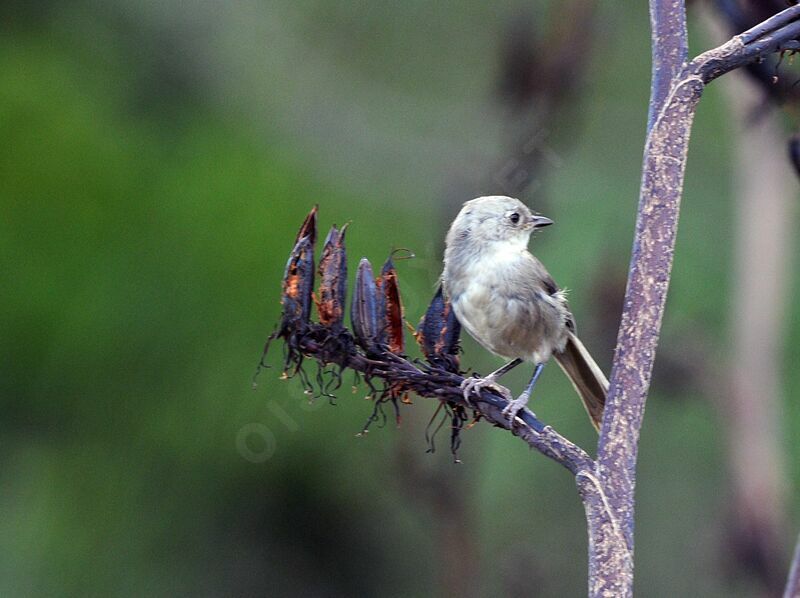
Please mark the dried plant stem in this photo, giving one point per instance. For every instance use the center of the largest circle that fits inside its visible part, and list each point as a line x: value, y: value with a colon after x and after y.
x: 440, y: 384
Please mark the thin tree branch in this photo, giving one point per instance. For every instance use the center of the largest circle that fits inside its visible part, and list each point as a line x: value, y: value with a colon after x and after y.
x: 443, y: 385
x: 741, y: 15
x: 772, y: 25
x: 651, y: 262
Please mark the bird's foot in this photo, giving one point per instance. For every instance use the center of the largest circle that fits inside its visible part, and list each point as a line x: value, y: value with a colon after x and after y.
x: 474, y: 385
x: 515, y: 406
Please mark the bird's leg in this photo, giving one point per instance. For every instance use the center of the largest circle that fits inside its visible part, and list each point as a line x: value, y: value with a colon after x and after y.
x: 474, y: 385
x: 519, y: 403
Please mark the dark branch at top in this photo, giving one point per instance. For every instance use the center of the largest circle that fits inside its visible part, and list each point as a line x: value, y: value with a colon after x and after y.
x: 779, y: 33
x: 773, y: 24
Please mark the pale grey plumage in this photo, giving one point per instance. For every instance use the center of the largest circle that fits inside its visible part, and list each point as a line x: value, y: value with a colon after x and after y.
x: 505, y: 298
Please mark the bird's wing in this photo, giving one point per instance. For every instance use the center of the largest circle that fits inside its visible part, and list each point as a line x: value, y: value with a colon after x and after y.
x: 552, y: 289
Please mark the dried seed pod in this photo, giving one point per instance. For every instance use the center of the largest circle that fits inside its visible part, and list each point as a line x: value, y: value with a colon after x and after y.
x: 298, y: 284
x: 296, y: 297
x: 438, y: 333
x: 380, y: 313
x: 392, y: 308
x: 364, y: 310
x: 309, y: 227
x: 390, y: 317
x: 333, y: 279
x: 298, y: 278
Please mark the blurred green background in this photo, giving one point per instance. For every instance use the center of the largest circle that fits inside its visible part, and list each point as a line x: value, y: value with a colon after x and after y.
x: 156, y: 161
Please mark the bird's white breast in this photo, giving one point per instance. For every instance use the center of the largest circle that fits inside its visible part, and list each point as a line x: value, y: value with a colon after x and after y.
x: 500, y: 304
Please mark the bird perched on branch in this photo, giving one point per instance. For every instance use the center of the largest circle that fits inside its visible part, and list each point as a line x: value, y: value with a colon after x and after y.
x: 508, y: 302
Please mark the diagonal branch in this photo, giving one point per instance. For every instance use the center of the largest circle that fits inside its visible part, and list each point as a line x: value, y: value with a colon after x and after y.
x: 443, y: 385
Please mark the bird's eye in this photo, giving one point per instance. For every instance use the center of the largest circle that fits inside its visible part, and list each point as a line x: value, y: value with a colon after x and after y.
x: 514, y: 218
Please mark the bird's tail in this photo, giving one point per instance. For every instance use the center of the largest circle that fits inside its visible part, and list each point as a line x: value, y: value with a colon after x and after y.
x: 586, y: 376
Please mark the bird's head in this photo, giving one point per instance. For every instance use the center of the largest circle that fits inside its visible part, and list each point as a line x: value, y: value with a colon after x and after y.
x: 494, y: 219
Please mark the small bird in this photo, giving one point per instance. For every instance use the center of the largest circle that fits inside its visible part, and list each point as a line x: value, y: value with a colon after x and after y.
x: 508, y: 302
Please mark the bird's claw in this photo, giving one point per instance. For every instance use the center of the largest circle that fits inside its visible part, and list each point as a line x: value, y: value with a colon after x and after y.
x: 474, y: 385
x: 515, y: 406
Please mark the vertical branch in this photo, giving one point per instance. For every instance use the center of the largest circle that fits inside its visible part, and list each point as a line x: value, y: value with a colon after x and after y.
x: 669, y: 48
x: 651, y: 260
x: 608, y: 492
x: 611, y: 531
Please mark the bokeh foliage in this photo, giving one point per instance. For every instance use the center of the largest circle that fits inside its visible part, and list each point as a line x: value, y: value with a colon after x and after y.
x: 155, y: 164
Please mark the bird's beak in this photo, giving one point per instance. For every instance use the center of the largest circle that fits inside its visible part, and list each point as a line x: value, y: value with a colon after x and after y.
x: 540, y: 221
